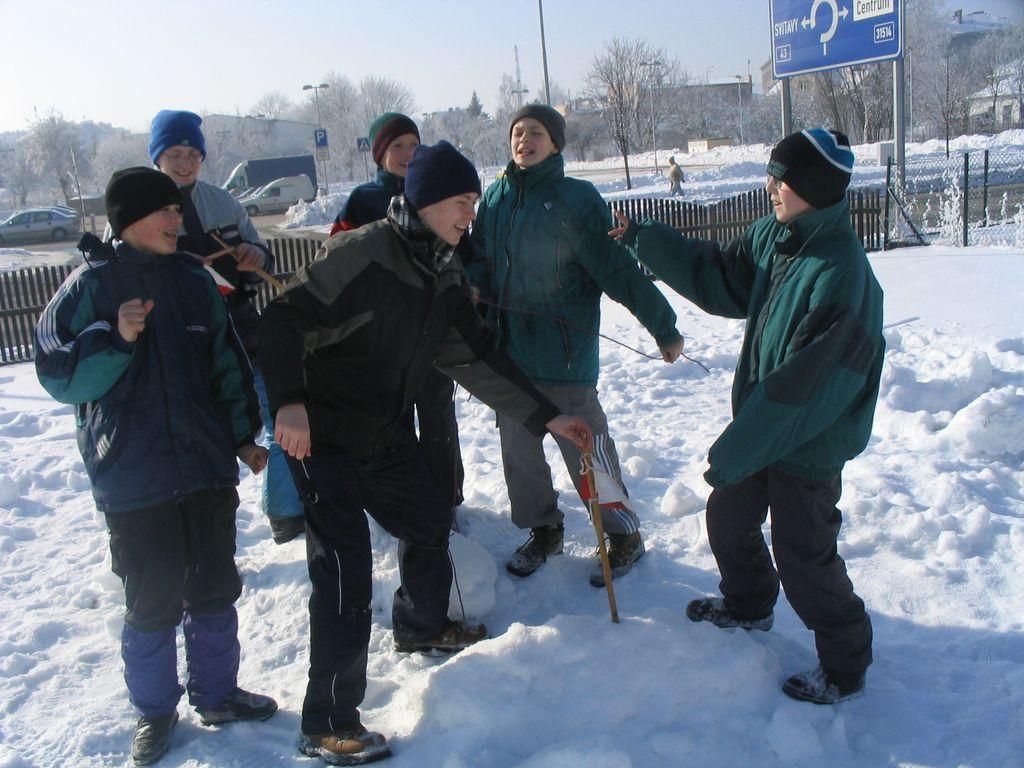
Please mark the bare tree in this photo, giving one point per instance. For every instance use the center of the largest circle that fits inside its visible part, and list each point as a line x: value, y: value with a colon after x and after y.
x: 118, y: 150
x: 619, y: 83
x: 273, y: 104
x: 52, y: 139
x: 1015, y: 69
x: 19, y: 172
x: 381, y: 94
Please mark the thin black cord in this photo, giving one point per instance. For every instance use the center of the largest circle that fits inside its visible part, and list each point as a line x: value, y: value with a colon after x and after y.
x: 563, y: 321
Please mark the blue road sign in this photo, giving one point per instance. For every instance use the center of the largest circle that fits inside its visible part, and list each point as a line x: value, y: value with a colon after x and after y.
x: 363, y: 143
x: 320, y: 136
x: 812, y: 35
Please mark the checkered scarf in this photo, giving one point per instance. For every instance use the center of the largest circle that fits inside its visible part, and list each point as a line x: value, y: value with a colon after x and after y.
x: 434, y: 251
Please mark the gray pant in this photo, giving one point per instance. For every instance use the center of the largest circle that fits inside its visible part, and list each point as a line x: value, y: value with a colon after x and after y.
x: 528, y: 476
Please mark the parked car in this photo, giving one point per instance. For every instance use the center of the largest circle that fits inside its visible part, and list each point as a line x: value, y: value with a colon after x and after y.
x: 279, y: 195
x: 38, y: 224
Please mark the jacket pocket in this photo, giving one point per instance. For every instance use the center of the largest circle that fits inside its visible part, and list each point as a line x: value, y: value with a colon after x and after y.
x: 102, y: 439
x: 566, y: 343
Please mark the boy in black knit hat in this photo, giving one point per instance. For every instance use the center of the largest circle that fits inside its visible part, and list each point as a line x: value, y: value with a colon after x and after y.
x: 803, y: 401
x: 346, y: 349
x: 139, y: 340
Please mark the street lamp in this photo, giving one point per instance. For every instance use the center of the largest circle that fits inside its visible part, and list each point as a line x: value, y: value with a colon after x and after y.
x: 654, y: 134
x: 316, y: 98
x: 739, y: 101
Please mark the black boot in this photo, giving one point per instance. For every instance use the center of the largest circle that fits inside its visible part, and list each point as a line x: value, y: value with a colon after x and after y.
x: 623, y: 551
x: 543, y: 541
x: 819, y: 686
x: 284, y: 529
x: 152, y: 738
x: 456, y: 636
x: 713, y: 609
x: 239, y: 705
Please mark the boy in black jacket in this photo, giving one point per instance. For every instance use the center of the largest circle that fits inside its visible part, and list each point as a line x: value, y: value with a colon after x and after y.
x: 139, y: 340
x: 345, y: 351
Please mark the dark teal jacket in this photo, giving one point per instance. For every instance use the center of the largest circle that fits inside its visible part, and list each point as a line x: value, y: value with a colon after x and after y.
x: 543, y: 254
x: 368, y: 202
x: 160, y: 417
x: 807, y: 378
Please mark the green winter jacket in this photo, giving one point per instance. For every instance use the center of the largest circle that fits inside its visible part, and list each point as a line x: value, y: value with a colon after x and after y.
x: 807, y: 378
x: 543, y: 254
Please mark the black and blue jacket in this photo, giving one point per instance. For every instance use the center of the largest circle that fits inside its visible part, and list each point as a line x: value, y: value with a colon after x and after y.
x: 160, y: 417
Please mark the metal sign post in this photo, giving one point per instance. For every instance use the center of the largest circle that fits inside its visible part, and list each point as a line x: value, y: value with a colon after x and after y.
x: 363, y: 146
x: 323, y: 153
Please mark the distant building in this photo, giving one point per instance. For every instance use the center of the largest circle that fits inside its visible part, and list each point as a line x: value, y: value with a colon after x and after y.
x: 1002, y: 111
x: 705, y: 145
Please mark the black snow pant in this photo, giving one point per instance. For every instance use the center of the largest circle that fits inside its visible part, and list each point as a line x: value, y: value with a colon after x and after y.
x: 439, y: 434
x: 805, y: 528
x: 177, y: 558
x: 396, y: 489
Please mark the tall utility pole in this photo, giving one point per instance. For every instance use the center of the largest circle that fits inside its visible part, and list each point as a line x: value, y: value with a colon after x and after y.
x: 739, y: 102
x: 316, y: 98
x: 544, y: 53
x: 519, y: 90
x: 654, y: 133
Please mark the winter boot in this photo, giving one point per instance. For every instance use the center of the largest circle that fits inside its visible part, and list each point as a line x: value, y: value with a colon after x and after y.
x: 543, y: 541
x: 713, y: 609
x: 456, y: 636
x: 239, y: 705
x: 821, y: 687
x: 284, y: 529
x: 624, y: 550
x: 152, y: 738
x: 350, y: 746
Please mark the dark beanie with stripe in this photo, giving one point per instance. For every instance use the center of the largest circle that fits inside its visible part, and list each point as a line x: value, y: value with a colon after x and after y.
x: 815, y: 163
x: 385, y: 129
x: 134, y: 193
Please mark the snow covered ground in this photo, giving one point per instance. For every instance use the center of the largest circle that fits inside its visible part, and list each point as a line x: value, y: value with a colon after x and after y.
x: 933, y: 536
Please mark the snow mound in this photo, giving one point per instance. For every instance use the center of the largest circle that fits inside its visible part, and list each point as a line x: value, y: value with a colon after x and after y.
x: 989, y: 426
x: 315, y: 214
x: 681, y: 501
x: 475, y: 578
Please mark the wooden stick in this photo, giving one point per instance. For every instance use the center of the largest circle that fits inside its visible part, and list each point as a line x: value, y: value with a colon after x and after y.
x: 277, y: 284
x: 587, y: 460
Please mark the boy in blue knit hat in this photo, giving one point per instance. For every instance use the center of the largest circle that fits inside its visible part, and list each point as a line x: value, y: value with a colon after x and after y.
x: 211, y: 215
x: 803, y: 401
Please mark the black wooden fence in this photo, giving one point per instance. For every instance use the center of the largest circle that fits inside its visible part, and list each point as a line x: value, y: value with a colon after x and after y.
x: 24, y: 293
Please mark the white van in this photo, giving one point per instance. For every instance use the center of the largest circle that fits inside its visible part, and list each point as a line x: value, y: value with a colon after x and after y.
x: 279, y: 195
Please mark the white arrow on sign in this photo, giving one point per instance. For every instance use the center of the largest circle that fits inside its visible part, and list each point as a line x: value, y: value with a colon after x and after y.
x: 829, y: 33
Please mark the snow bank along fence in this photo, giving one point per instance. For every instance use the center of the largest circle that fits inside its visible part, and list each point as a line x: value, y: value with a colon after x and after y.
x: 24, y: 293
x: 973, y: 197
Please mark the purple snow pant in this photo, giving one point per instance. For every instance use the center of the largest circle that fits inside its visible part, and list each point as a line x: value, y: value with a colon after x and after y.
x: 176, y: 559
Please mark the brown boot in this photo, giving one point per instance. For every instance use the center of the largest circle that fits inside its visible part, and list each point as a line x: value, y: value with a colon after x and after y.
x: 350, y: 746
x: 456, y: 636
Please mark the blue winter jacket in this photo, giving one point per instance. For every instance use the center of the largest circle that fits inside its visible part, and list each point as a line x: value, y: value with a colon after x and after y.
x: 160, y: 417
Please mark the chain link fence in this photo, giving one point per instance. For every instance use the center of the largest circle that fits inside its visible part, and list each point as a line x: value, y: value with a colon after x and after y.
x: 973, y: 198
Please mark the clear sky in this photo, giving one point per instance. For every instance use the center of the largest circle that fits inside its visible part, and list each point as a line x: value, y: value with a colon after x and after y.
x: 121, y: 62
